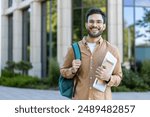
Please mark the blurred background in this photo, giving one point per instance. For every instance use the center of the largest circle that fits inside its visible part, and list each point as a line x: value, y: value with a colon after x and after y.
x: 35, y: 35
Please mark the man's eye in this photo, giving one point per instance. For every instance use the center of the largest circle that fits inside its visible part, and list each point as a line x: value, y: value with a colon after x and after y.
x: 100, y: 22
x: 91, y: 21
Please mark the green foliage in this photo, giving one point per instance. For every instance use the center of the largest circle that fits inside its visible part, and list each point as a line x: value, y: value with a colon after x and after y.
x: 132, y: 81
x: 145, y: 67
x: 145, y: 71
x: 54, y: 72
x: 19, y: 81
x: 23, y: 66
x: 128, y: 36
x: 7, y: 73
x: 11, y: 66
x: 121, y: 88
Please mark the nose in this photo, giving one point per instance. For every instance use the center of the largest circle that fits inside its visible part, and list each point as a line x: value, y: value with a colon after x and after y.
x: 94, y: 24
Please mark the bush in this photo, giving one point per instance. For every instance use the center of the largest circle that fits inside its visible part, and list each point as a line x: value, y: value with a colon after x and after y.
x: 121, y: 88
x: 9, y: 69
x: 145, y: 67
x: 131, y: 80
x: 7, y: 73
x: 23, y: 66
x: 145, y: 72
x: 23, y: 81
x: 53, y: 72
x: 11, y: 66
x: 19, y: 81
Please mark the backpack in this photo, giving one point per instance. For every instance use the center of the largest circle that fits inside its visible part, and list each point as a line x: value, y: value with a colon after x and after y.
x: 66, y: 86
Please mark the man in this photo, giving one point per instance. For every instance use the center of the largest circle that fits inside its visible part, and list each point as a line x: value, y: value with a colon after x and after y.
x: 93, y: 50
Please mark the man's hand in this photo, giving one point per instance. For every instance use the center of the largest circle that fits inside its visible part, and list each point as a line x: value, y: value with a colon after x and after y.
x: 101, y: 73
x: 75, y: 65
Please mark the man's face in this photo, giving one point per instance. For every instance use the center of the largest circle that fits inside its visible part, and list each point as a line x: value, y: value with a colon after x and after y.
x: 95, y: 25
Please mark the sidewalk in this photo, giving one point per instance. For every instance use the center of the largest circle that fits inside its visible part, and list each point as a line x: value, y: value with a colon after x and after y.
x: 10, y: 93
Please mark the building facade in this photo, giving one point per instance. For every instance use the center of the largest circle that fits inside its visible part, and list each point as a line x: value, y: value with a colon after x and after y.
x: 27, y: 28
x: 38, y: 30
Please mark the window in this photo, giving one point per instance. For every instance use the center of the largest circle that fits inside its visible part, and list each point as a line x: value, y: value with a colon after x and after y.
x: 142, y: 33
x: 144, y: 3
x: 136, y: 31
x: 128, y: 2
x: 49, y: 33
x: 10, y: 2
x: 128, y: 33
x: 26, y: 35
x: 10, y: 37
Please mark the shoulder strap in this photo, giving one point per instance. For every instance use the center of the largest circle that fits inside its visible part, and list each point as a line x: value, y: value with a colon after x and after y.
x: 76, y: 50
x: 77, y: 54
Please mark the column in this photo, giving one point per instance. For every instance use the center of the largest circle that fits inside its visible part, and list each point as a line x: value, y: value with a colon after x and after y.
x: 35, y: 39
x: 115, y: 24
x: 4, y: 33
x: 64, y: 28
x: 17, y: 35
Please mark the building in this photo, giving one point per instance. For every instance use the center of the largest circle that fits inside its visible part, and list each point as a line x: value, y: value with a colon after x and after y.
x: 37, y: 30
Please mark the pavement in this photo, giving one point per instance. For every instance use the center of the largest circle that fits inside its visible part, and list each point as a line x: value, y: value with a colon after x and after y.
x: 11, y: 93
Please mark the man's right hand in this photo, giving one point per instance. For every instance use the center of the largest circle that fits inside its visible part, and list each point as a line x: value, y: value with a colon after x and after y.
x: 75, y: 65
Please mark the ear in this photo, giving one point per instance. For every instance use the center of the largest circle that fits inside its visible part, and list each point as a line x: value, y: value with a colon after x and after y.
x: 104, y: 27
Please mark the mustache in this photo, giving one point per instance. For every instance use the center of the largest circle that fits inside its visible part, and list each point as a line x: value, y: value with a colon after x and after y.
x: 94, y: 28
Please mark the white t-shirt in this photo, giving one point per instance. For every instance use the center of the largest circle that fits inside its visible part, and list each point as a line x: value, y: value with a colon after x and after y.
x: 91, y: 46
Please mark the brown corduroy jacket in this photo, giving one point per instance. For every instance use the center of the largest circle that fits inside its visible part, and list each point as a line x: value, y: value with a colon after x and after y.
x: 87, y: 71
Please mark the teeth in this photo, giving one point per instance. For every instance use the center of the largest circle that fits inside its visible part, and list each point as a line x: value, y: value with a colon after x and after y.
x: 94, y: 30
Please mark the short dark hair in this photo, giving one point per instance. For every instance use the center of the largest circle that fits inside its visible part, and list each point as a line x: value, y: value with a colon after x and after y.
x: 95, y: 11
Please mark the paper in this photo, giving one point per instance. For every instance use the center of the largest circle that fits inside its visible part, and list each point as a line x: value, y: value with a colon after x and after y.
x: 109, y: 63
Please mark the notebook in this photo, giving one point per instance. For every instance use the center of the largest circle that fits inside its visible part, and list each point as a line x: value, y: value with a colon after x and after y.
x: 109, y: 63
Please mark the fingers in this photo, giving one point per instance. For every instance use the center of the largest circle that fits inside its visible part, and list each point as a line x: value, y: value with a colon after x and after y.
x: 76, y: 63
x: 100, y: 72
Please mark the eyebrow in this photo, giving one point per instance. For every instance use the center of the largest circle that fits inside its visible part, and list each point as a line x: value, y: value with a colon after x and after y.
x: 95, y: 20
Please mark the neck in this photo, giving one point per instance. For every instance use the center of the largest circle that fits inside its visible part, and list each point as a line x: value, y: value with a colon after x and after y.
x: 92, y: 40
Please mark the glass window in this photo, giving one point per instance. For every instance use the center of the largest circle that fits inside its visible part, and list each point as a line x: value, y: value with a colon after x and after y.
x: 142, y: 3
x: 142, y: 33
x: 77, y: 3
x: 94, y: 3
x: 10, y: 37
x: 128, y: 50
x: 10, y: 2
x: 26, y: 35
x: 48, y: 34
x: 128, y: 2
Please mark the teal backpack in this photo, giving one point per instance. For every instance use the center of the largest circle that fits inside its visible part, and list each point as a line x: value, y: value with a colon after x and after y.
x: 66, y: 86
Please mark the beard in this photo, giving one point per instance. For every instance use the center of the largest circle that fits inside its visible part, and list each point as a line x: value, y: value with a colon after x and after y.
x: 94, y: 34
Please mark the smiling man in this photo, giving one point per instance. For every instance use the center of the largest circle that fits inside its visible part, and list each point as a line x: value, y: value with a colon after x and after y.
x: 93, y: 50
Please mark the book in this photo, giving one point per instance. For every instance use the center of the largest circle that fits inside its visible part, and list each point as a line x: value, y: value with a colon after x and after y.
x: 109, y: 64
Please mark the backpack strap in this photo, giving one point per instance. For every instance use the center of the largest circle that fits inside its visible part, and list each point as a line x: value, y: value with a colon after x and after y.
x: 77, y: 54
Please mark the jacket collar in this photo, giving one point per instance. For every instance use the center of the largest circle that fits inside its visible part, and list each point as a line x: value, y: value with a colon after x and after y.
x: 98, y: 42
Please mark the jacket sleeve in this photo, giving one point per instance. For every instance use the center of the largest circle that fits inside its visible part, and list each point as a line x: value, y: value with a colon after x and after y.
x: 116, y: 76
x: 66, y: 68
